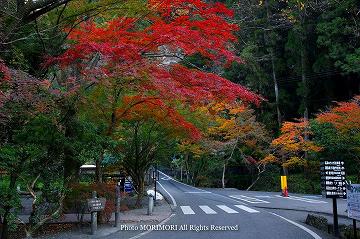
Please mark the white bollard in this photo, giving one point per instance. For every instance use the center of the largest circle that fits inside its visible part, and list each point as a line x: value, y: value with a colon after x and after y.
x: 151, y: 204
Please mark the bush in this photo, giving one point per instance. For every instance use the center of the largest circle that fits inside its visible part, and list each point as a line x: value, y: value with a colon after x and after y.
x: 76, y: 200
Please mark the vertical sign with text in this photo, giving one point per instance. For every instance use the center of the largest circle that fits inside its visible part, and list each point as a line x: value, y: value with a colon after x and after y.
x: 333, y: 183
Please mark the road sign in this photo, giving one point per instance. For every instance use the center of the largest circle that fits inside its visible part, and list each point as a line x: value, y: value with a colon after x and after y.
x: 333, y: 179
x: 353, y: 201
x: 128, y: 186
x: 96, y: 204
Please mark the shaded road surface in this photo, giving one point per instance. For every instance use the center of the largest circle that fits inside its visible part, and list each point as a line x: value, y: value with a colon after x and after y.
x: 218, y: 216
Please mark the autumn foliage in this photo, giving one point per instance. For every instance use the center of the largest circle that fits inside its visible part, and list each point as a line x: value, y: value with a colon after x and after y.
x: 290, y: 148
x: 345, y: 116
x: 136, y: 50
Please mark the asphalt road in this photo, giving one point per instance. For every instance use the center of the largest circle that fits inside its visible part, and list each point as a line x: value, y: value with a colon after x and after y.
x: 221, y: 214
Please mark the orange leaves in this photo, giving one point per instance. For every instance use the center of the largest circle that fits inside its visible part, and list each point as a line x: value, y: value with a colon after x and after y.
x: 269, y: 159
x: 225, y: 126
x: 292, y: 144
x: 292, y: 137
x: 345, y: 116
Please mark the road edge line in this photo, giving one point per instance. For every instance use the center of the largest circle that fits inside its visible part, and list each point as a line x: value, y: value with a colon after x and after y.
x: 313, y: 234
x: 228, y: 198
x: 172, y: 198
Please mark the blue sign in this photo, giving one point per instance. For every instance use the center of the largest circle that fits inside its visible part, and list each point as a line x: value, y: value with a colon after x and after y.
x: 128, y: 187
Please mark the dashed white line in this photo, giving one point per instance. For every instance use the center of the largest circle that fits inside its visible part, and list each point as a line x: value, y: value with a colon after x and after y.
x: 248, y: 199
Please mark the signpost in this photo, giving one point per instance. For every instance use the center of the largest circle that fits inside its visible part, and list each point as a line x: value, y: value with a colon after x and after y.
x: 353, y: 204
x: 333, y: 185
x: 95, y: 205
x: 117, y: 204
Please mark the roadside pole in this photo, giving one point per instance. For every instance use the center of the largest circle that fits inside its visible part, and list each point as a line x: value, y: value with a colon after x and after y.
x: 283, y: 179
x: 355, y: 229
x: 155, y: 175
x: 117, y: 205
x: 336, y: 222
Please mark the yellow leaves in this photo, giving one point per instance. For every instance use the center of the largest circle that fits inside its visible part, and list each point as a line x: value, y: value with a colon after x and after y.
x: 269, y: 159
x: 293, y: 143
x: 226, y: 121
x: 294, y: 161
x: 187, y: 146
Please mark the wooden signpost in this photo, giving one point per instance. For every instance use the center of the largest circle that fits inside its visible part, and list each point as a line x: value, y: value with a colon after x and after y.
x: 95, y: 205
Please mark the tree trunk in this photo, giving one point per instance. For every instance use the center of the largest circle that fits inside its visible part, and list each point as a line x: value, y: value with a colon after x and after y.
x: 305, y: 84
x: 186, y: 157
x: 276, y: 89
x: 7, y: 209
x: 276, y: 86
x: 223, y: 174
x: 98, y: 170
x: 140, y: 190
x: 181, y: 173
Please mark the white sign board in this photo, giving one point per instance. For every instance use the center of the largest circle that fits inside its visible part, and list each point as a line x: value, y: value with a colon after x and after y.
x: 353, y: 201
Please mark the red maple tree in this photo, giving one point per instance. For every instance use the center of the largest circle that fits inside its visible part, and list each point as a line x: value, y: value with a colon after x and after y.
x: 136, y: 52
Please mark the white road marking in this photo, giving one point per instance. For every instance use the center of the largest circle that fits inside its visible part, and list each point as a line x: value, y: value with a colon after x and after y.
x: 248, y: 199
x: 219, y: 195
x: 182, y: 182
x: 172, y: 198
x: 308, y: 199
x: 187, y: 210
x: 197, y: 192
x: 311, y: 196
x: 263, y: 196
x: 301, y: 199
x: 166, y: 178
x: 313, y: 234
x: 207, y: 210
x: 226, y: 209
x: 148, y: 231
x: 245, y: 208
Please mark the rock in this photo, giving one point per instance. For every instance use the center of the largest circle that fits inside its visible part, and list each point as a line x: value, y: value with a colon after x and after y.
x: 318, y: 222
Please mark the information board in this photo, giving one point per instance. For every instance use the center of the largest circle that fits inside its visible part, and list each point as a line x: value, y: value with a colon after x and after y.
x: 353, y: 201
x: 333, y: 179
x: 96, y: 204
